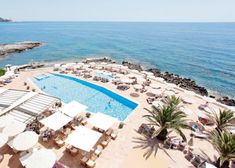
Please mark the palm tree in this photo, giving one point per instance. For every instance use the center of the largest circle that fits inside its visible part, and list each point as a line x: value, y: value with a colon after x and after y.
x: 172, y: 101
x: 224, y: 143
x: 167, y: 117
x: 222, y: 119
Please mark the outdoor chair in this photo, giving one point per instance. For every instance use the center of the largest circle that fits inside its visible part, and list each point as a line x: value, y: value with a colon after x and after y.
x: 83, y: 122
x: 181, y: 146
x: 90, y: 163
x: 114, y: 135
x: 196, y: 161
x: 189, y: 156
x: 73, y: 151
x: 109, y: 132
x: 45, y: 139
x: 167, y: 143
x: 150, y: 100
x: 83, y: 160
x: 68, y: 148
x: 59, y: 142
x: 98, y: 150
x: 104, y: 143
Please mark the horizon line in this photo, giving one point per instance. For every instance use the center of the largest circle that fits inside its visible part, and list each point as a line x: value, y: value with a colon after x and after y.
x: 15, y: 21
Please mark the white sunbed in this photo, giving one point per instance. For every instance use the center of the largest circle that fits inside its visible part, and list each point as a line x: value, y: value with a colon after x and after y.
x: 199, y: 135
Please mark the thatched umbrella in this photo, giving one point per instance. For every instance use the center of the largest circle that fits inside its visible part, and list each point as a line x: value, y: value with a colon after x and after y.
x: 190, y: 142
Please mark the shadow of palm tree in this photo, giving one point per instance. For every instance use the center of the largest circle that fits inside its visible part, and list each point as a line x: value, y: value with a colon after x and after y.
x: 206, y: 157
x: 151, y: 145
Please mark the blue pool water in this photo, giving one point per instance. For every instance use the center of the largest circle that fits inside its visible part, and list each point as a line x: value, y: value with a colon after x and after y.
x: 96, y: 98
x: 204, y: 52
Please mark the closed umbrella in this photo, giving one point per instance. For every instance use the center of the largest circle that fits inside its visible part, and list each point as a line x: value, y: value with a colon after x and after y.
x: 25, y: 141
x: 3, y: 139
x: 43, y: 158
x: 190, y: 142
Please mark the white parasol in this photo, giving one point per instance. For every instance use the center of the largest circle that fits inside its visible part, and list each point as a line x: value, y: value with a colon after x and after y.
x: 25, y: 141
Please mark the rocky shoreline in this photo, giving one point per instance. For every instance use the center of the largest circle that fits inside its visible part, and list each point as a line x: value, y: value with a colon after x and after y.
x: 185, y: 83
x: 18, y: 47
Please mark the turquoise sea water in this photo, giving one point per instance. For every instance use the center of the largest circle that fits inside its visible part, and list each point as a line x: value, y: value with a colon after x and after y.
x: 96, y: 98
x: 204, y: 52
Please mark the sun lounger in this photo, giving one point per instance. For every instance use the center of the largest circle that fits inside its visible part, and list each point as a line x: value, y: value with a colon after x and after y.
x: 90, y: 163
x: 150, y: 100
x: 197, y: 160
x: 24, y: 158
x: 1, y: 158
x: 189, y: 156
x: 84, y: 160
x: 146, y: 130
x: 168, y: 143
x: 199, y: 135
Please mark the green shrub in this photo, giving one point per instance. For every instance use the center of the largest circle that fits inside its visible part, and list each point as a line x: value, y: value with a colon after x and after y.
x: 2, y: 72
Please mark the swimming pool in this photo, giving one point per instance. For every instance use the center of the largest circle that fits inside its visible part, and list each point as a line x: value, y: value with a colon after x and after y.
x: 97, y: 98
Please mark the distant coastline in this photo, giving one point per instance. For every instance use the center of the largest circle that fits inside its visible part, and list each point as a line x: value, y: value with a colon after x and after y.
x: 5, y: 20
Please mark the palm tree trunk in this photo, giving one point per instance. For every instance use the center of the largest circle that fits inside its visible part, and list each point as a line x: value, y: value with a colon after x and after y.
x: 162, y: 135
x: 224, y: 165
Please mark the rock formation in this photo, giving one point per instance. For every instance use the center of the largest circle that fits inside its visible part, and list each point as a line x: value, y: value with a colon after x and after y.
x: 17, y: 47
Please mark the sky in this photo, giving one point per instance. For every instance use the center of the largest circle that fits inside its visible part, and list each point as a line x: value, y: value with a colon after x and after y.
x: 119, y: 10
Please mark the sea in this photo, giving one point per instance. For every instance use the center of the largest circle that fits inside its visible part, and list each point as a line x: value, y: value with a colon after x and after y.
x: 204, y: 52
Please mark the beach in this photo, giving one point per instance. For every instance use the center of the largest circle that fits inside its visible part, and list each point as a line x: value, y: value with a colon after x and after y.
x: 120, y: 152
